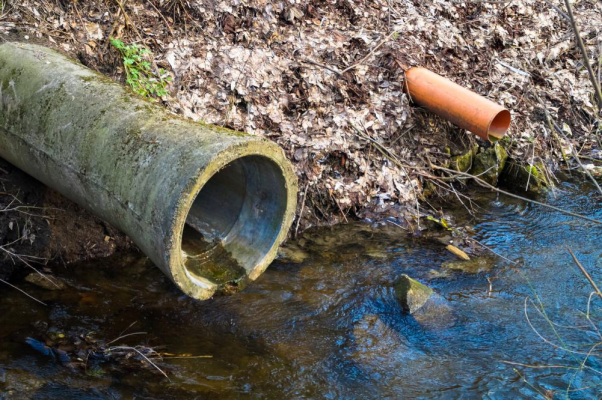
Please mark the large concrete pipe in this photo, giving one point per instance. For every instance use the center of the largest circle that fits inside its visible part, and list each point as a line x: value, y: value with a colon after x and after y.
x: 209, y: 206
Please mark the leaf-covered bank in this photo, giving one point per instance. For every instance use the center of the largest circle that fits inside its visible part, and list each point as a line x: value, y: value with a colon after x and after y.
x: 325, y: 80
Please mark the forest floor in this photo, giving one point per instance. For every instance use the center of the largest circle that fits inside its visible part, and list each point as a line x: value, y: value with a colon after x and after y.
x: 325, y: 80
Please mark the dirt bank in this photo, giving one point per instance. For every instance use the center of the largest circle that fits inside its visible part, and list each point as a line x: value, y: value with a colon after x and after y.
x: 324, y: 79
x: 39, y: 227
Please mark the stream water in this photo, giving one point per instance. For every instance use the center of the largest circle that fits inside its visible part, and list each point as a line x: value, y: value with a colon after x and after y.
x: 330, y: 326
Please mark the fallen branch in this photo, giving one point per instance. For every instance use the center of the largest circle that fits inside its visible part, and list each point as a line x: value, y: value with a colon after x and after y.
x: 128, y: 348
x: 21, y: 291
x: 585, y: 273
x: 354, y: 65
x: 590, y: 71
x: 489, y: 186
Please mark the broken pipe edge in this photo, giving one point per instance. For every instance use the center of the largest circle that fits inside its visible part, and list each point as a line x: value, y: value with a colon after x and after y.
x: 148, y: 172
x: 457, y: 104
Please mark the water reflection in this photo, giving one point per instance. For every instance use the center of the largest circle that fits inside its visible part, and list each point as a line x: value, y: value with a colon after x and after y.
x: 330, y: 326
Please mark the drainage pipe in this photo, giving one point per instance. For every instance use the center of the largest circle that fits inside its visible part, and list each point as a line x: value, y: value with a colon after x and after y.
x: 459, y: 105
x: 207, y: 205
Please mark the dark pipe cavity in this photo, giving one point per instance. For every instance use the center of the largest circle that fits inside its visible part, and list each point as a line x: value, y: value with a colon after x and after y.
x: 230, y: 214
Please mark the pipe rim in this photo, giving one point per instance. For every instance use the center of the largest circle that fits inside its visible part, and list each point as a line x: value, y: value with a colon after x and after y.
x: 269, y: 153
x: 499, y: 125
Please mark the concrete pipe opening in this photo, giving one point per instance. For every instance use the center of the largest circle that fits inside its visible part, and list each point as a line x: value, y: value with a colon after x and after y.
x: 209, y: 206
x: 234, y: 222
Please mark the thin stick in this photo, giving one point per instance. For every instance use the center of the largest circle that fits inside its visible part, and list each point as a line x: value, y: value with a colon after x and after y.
x: 558, y: 10
x: 525, y: 365
x: 309, y: 61
x: 369, y: 53
x: 576, y: 156
x: 494, y: 252
x: 301, y: 211
x: 188, y: 357
x: 127, y: 335
x: 544, y: 339
x: 162, y: 17
x: 20, y: 290
x: 354, y: 65
x: 141, y: 354
x: 590, y: 71
x: 489, y: 186
x: 585, y: 273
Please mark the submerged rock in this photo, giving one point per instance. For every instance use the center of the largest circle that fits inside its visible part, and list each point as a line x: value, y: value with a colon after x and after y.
x: 374, y: 342
x: 411, y: 294
x: 21, y: 384
x: 291, y: 253
x: 429, y: 309
x: 472, y: 266
x: 435, y: 314
x: 46, y: 281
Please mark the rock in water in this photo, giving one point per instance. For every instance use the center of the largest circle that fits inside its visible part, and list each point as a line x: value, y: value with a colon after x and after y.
x: 377, y: 347
x: 429, y: 309
x: 46, y: 281
x: 411, y: 293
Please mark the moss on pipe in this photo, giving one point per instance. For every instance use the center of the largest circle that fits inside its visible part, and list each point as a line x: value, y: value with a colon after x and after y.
x: 144, y: 170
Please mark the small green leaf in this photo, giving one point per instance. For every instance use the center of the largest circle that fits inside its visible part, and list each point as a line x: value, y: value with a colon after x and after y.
x: 138, y: 69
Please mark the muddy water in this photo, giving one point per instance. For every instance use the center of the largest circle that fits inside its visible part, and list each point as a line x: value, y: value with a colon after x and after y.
x: 330, y: 326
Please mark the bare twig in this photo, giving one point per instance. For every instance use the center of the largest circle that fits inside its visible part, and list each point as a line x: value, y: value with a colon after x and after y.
x: 375, y: 48
x: 544, y: 339
x: 302, y: 208
x: 188, y: 357
x: 558, y: 10
x: 585, y: 273
x: 525, y: 365
x: 590, y: 71
x: 127, y: 348
x: 162, y: 17
x: 21, y: 291
x: 354, y: 65
x: 309, y: 61
x: 489, y: 186
x: 576, y: 156
x: 127, y: 335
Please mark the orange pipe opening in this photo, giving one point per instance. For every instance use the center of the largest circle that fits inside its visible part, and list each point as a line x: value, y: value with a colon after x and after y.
x: 459, y: 105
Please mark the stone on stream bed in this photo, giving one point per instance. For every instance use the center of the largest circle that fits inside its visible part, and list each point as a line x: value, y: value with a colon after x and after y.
x: 411, y: 293
x: 291, y: 253
x: 46, y: 281
x: 429, y: 309
x: 472, y: 266
x: 374, y: 342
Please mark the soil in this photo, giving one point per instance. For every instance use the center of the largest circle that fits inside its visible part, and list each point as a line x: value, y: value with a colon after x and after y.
x: 39, y: 228
x: 325, y: 80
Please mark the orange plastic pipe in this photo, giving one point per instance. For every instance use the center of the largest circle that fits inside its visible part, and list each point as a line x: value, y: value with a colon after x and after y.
x: 459, y: 105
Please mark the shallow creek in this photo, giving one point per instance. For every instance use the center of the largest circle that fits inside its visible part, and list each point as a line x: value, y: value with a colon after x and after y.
x: 330, y: 326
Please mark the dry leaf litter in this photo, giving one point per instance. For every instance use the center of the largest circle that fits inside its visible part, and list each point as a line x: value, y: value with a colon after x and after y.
x: 324, y: 79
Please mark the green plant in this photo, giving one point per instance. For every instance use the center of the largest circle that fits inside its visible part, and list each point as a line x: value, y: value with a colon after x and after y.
x: 140, y: 75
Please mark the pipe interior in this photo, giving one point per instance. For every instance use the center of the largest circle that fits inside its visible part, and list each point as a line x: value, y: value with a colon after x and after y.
x: 500, y: 124
x: 235, y: 220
